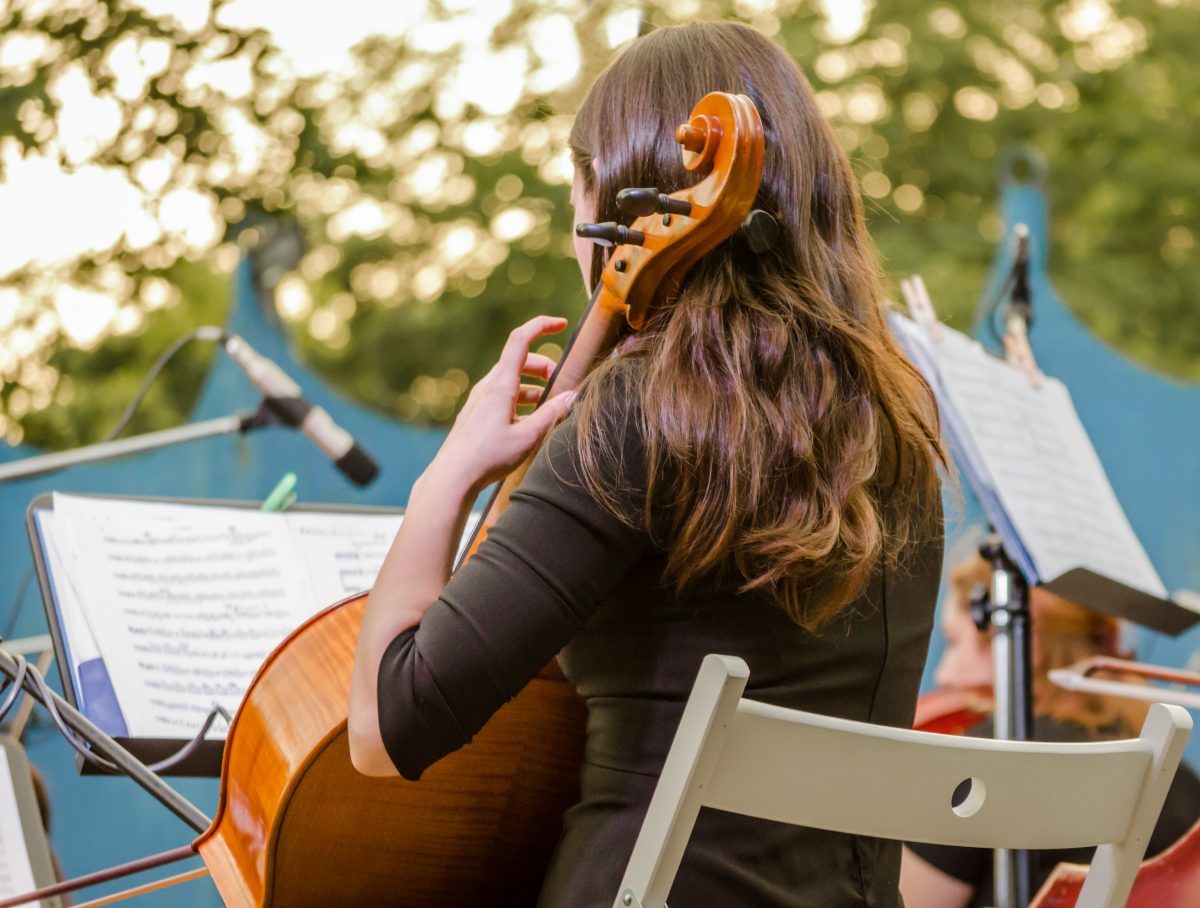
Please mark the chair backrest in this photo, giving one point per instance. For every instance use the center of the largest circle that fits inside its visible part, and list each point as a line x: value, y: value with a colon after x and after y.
x: 782, y: 764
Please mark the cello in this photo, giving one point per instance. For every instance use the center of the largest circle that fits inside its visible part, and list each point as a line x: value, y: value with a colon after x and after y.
x: 296, y: 824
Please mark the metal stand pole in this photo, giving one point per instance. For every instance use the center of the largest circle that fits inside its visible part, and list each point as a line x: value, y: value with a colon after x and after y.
x: 1007, y: 612
x: 106, y: 747
x: 109, y: 450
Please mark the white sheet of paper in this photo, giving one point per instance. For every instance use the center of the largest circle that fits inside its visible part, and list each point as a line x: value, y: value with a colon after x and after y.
x: 16, y: 873
x: 61, y: 563
x: 341, y: 552
x: 183, y: 602
x: 187, y: 602
x: 1042, y: 466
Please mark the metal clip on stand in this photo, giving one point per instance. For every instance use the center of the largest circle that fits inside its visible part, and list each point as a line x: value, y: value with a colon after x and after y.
x: 1005, y: 609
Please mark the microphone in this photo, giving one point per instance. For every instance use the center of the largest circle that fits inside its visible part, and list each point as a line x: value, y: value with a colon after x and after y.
x: 1020, y: 303
x: 283, y: 398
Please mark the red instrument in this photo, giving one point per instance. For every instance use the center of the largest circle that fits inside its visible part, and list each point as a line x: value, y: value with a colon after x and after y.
x: 951, y: 712
x: 296, y: 825
x: 1168, y: 880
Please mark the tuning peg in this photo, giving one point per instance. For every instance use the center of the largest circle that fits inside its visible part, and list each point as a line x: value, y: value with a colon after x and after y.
x: 643, y: 202
x: 610, y: 233
x: 760, y: 230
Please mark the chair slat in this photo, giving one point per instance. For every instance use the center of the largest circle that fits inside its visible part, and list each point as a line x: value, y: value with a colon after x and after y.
x: 850, y: 777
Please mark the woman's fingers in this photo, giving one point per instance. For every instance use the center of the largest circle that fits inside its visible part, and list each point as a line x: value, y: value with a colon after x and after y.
x: 516, y: 348
x: 538, y: 366
x: 529, y: 394
x: 542, y: 420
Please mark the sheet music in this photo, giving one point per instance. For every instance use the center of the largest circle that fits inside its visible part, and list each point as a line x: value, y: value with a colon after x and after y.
x: 61, y: 563
x: 186, y: 602
x: 342, y: 552
x: 1025, y: 449
x: 1043, y: 467
x: 16, y: 872
x: 192, y: 600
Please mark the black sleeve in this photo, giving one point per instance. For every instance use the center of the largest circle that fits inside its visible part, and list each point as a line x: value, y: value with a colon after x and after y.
x: 546, y: 564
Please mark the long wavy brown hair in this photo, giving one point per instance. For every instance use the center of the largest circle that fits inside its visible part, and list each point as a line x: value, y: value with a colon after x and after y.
x: 794, y: 443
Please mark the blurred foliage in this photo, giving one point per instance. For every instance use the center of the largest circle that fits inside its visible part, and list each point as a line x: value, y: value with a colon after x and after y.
x: 436, y: 214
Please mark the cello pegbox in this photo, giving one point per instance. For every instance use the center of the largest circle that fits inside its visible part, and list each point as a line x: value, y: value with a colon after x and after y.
x: 610, y: 233
x: 699, y: 137
x: 644, y: 202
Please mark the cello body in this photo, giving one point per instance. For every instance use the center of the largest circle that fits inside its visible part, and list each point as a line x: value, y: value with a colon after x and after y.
x: 298, y: 826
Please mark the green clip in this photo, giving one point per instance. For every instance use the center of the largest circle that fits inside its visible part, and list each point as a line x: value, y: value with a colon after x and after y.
x: 282, y: 496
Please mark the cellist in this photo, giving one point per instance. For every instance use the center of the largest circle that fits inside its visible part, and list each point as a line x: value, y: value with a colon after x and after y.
x: 754, y: 473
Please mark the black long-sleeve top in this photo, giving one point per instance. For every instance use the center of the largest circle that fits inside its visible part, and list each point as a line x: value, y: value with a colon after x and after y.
x: 558, y: 574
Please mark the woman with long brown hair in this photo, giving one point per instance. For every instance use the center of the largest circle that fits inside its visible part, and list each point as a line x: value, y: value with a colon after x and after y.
x: 754, y: 473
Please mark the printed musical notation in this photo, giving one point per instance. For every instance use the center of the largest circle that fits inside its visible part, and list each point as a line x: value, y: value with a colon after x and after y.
x: 342, y: 552
x: 1043, y: 467
x: 185, y: 602
x: 1024, y: 446
x: 16, y: 872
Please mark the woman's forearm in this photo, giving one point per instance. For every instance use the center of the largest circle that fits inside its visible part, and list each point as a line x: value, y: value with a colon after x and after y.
x: 486, y: 442
x: 412, y: 577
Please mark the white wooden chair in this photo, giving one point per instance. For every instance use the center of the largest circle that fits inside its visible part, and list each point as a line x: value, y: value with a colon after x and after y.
x: 782, y: 764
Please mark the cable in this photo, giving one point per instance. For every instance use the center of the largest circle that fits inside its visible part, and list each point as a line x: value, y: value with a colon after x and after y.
x: 47, y: 698
x: 186, y: 751
x: 204, y: 332
x: 17, y: 684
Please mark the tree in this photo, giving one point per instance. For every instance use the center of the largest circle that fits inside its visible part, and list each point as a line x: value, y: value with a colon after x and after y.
x: 429, y: 181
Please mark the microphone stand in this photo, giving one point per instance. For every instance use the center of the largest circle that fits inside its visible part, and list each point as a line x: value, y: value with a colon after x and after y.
x: 121, y: 761
x: 1006, y: 610
x: 149, y: 441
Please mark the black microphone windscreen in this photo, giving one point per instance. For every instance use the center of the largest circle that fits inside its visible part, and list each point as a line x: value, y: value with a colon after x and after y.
x: 358, y: 466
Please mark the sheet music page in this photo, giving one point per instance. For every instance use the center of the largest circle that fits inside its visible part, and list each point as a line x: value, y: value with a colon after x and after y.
x: 16, y: 873
x: 186, y: 602
x: 1043, y: 467
x: 341, y: 552
x: 919, y: 346
x: 61, y: 562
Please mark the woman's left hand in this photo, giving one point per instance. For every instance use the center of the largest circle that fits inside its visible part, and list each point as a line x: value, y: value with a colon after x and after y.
x: 489, y: 440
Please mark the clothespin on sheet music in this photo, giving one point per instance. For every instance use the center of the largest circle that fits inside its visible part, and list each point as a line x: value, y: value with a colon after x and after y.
x: 1017, y: 352
x: 282, y: 496
x: 920, y: 306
